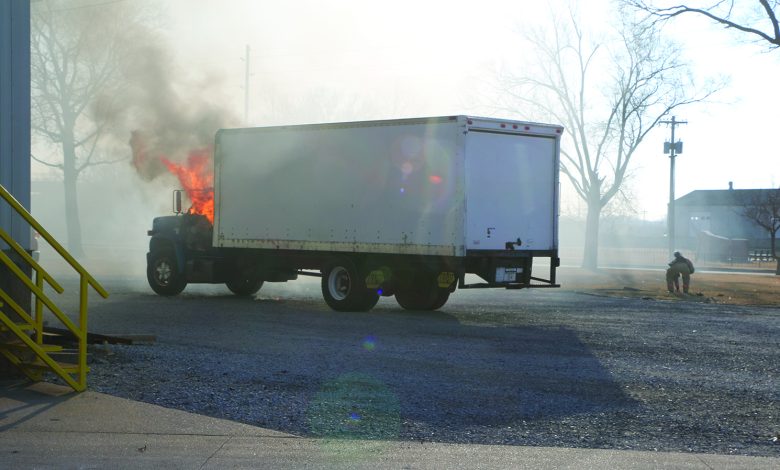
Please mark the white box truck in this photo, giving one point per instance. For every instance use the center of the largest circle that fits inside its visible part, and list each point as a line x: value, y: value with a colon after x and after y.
x: 378, y: 208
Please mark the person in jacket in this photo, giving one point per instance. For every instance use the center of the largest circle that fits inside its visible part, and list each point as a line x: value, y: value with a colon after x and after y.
x: 679, y: 266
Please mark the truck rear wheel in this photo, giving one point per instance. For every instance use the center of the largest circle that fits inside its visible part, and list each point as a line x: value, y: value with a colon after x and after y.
x: 417, y: 300
x: 163, y: 274
x: 344, y: 289
x: 422, y: 293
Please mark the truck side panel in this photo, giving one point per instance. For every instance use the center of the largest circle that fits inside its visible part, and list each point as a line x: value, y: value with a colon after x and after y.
x: 394, y: 188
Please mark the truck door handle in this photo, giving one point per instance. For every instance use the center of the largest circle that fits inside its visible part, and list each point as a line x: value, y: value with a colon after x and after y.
x: 511, y: 245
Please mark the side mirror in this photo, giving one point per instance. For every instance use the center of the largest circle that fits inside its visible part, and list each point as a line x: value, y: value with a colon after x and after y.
x: 177, y: 201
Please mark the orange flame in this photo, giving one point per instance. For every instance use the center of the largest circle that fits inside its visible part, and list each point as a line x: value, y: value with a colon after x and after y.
x: 197, y: 178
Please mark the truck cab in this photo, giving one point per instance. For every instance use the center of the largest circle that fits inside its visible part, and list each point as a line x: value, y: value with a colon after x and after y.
x: 181, y: 252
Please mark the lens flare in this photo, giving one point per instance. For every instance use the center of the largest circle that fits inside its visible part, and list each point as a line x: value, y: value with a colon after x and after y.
x: 369, y: 343
x: 354, y: 416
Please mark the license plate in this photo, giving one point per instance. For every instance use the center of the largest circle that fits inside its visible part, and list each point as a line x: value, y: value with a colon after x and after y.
x: 508, y: 274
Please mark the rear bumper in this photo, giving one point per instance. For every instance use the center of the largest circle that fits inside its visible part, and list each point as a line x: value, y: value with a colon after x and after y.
x: 510, y: 269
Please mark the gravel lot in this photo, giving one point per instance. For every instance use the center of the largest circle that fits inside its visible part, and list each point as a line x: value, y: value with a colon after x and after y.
x: 546, y: 367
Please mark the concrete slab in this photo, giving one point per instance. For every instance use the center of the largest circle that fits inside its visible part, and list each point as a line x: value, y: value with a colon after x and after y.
x: 19, y: 449
x: 48, y: 426
x: 53, y: 408
x: 246, y: 453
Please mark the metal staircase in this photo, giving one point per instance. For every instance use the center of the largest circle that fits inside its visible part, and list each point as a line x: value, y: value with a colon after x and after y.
x: 21, y: 333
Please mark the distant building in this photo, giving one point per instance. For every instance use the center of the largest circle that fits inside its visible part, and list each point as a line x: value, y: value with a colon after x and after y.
x: 711, y: 223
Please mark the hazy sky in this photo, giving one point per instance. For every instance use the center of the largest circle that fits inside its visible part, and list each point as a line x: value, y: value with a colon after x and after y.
x: 315, y: 60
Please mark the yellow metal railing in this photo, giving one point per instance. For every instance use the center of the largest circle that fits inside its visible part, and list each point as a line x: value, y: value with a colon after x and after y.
x: 74, y: 374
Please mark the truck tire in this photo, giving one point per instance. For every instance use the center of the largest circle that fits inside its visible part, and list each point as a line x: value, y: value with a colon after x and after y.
x: 163, y: 274
x: 441, y: 298
x: 422, y: 294
x: 344, y: 289
x: 418, y: 300
x: 244, y: 285
x: 243, y: 280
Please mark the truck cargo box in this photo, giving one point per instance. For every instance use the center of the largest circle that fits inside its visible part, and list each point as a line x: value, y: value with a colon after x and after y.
x: 446, y: 186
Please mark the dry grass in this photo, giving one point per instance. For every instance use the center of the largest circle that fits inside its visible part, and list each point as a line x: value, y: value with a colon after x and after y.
x: 725, y: 288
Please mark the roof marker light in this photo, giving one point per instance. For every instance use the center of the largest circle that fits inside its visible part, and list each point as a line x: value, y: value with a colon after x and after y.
x: 503, y: 125
x: 528, y: 128
x: 514, y: 126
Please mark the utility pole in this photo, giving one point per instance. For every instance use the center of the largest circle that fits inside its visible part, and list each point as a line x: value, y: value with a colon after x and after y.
x: 672, y: 148
x: 246, y: 88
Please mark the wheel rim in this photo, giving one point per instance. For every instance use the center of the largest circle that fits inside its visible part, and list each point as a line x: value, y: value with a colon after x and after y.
x: 339, y: 283
x: 163, y: 273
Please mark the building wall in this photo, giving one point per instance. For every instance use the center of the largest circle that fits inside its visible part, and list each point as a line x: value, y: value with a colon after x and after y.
x: 721, y: 221
x: 14, y: 141
x: 15, y: 114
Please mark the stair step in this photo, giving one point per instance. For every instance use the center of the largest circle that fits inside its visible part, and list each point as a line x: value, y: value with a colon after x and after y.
x: 21, y: 326
x: 67, y: 355
x: 40, y: 365
x: 21, y: 345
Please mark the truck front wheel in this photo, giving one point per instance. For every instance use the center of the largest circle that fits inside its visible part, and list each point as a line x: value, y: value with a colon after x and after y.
x: 163, y: 274
x: 345, y: 290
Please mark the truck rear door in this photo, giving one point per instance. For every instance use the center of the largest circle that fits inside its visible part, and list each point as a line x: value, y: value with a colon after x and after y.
x: 511, y: 191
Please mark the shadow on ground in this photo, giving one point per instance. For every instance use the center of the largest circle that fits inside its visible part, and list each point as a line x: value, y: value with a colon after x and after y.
x: 295, y: 366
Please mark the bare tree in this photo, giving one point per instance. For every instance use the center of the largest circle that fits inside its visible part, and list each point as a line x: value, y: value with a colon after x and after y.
x: 609, y: 97
x: 764, y: 210
x: 75, y: 67
x: 758, y: 19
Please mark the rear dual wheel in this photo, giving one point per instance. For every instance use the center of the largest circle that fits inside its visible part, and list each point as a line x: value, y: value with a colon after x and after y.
x: 422, y: 292
x: 344, y: 288
x: 425, y: 300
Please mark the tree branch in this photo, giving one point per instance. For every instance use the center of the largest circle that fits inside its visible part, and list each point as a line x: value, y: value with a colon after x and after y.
x: 668, y: 13
x: 101, y: 162
x: 43, y: 162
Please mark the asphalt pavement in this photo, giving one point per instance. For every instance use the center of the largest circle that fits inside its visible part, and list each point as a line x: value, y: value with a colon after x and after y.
x: 48, y: 426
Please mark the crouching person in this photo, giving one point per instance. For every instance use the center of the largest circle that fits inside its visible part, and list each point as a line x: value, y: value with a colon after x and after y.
x: 680, y: 266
